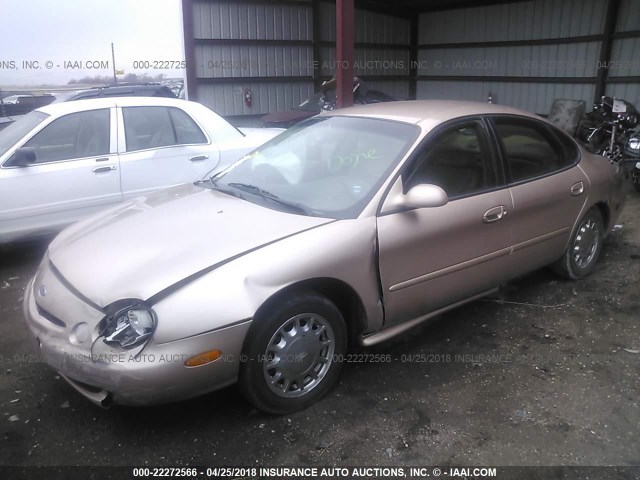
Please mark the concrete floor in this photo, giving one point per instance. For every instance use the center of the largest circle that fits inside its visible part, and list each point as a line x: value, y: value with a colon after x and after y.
x: 547, y: 374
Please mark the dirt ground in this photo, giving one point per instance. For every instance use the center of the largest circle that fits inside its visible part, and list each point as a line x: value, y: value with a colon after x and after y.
x: 547, y: 374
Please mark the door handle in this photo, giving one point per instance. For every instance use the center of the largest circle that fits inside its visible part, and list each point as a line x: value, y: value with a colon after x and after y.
x: 494, y: 214
x: 104, y: 169
x: 577, y: 189
x: 198, y: 158
x: 102, y: 159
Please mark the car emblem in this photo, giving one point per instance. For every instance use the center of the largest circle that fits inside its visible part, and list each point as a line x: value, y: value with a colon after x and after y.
x: 42, y: 291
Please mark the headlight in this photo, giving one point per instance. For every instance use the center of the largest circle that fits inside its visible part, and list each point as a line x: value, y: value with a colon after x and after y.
x: 634, y: 143
x: 129, y: 327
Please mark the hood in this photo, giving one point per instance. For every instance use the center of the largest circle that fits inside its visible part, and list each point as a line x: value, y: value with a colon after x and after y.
x: 142, y: 247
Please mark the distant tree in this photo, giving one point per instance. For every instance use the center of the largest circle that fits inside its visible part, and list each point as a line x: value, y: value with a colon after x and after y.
x: 130, y: 78
x: 97, y: 80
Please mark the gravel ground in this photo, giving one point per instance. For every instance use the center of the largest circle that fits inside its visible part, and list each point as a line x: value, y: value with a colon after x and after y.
x: 546, y: 374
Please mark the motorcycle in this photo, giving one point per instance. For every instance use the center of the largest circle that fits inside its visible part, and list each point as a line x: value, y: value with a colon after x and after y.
x: 608, y: 127
x: 324, y: 101
x: 632, y: 156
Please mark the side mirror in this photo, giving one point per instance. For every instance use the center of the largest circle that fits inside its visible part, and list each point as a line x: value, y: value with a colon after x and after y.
x: 23, y: 157
x: 420, y: 196
x: 425, y: 196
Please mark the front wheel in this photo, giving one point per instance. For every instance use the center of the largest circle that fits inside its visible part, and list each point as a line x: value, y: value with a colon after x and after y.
x: 584, y: 248
x: 293, y: 354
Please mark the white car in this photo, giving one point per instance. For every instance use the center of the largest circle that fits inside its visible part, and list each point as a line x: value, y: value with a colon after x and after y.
x: 13, y: 99
x: 63, y: 162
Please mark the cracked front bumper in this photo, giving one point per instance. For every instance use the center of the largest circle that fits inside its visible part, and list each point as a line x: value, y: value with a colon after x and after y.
x: 157, y: 374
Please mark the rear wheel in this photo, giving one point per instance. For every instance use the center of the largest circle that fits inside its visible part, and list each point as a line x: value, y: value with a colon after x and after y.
x: 584, y: 248
x: 294, y: 353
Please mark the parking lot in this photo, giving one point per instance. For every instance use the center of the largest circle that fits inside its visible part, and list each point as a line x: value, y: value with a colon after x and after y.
x: 546, y: 374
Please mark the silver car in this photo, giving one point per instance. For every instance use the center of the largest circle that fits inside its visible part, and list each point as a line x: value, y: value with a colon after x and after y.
x: 353, y: 226
x: 64, y: 162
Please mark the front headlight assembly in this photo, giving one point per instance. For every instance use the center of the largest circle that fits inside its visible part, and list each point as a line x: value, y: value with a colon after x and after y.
x: 634, y: 143
x: 129, y: 327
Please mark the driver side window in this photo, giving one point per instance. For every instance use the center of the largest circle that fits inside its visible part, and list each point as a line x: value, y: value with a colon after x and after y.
x: 458, y: 160
x: 77, y: 135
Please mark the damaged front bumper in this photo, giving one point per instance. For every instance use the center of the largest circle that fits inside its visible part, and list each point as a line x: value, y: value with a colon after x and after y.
x: 66, y: 330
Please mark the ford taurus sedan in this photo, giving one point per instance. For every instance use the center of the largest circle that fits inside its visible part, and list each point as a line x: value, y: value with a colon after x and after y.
x: 353, y: 226
x: 64, y: 162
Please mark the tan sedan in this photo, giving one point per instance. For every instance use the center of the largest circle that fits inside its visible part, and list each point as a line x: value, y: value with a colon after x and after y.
x: 352, y: 226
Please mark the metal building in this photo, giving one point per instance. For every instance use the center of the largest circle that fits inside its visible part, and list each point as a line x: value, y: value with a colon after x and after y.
x: 247, y: 58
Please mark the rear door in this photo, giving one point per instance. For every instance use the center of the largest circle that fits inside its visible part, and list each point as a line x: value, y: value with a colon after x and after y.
x: 76, y: 173
x: 432, y: 257
x: 162, y: 146
x: 548, y: 188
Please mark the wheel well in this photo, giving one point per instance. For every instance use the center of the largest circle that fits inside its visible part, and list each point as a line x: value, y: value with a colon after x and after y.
x: 341, y: 294
x: 604, y: 210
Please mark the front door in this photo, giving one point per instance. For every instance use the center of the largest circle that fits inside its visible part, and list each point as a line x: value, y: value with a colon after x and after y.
x: 75, y: 173
x: 432, y: 257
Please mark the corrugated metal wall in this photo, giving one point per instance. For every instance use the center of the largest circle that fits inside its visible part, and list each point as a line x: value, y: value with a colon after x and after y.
x: 624, y: 69
x: 524, y: 54
x: 268, y: 48
x: 381, y: 52
x: 265, y: 48
x: 533, y: 97
x: 527, y: 76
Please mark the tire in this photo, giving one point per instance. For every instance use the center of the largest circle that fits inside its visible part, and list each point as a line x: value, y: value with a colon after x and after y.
x: 584, y: 248
x: 636, y: 185
x: 310, y: 333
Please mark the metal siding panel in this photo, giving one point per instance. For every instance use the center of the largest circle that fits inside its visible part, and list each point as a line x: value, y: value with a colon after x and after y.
x: 532, y: 97
x: 629, y: 16
x: 227, y: 99
x: 625, y: 55
x: 381, y: 62
x: 564, y: 60
x: 327, y: 64
x: 215, y: 61
x: 627, y: 91
x: 327, y: 22
x: 395, y: 88
x: 536, y: 19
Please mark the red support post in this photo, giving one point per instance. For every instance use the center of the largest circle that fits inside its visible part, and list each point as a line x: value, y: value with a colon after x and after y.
x: 189, y: 50
x: 344, y: 53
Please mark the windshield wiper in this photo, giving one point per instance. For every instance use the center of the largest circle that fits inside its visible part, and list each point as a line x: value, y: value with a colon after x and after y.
x: 211, y: 183
x: 299, y: 207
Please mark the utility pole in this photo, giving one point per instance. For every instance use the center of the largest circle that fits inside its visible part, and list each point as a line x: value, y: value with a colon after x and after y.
x: 113, y: 60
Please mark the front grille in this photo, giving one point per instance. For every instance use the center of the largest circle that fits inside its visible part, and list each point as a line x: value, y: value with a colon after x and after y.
x: 49, y: 316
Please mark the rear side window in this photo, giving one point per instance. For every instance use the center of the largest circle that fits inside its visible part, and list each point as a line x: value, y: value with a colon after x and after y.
x: 532, y: 149
x: 155, y: 127
x: 187, y: 131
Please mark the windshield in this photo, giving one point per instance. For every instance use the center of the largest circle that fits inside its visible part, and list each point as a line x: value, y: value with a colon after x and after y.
x: 10, y: 135
x: 328, y: 166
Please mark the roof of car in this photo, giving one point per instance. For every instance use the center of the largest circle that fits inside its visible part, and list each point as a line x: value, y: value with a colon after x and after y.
x: 94, y: 103
x: 126, y: 90
x: 427, y: 112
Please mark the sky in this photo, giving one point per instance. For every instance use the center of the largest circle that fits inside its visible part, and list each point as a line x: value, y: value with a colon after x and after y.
x: 60, y: 34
